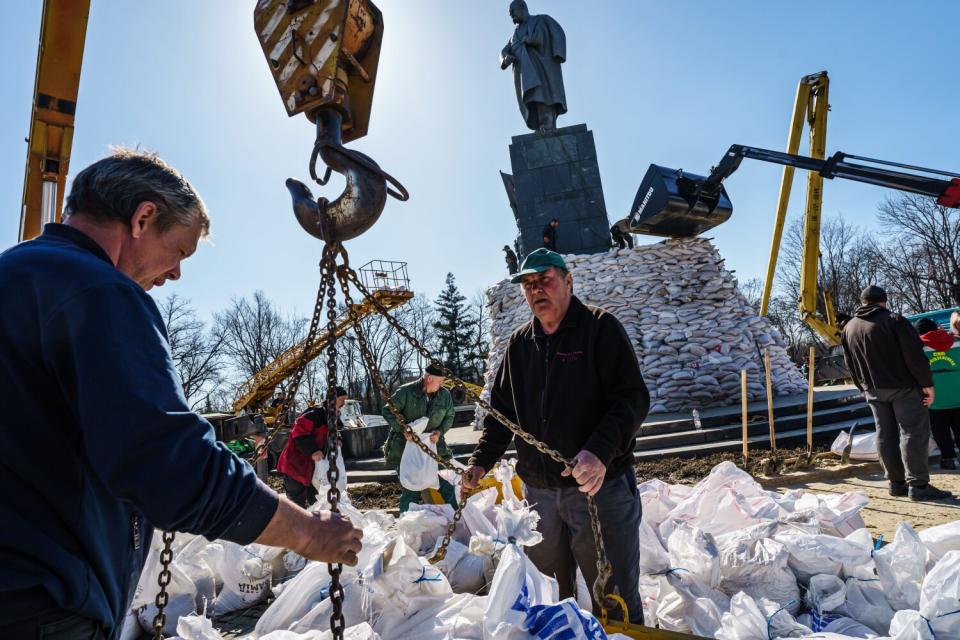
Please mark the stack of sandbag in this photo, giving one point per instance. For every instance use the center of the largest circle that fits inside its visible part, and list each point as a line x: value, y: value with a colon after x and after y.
x: 691, y: 328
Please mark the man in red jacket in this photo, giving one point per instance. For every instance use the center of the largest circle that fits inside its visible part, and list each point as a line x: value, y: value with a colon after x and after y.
x: 305, y: 446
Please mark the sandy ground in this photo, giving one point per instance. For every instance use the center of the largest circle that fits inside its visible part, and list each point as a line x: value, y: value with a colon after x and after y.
x: 884, y: 513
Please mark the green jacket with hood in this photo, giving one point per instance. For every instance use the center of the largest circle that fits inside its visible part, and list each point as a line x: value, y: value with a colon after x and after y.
x: 411, y: 401
x: 944, y: 356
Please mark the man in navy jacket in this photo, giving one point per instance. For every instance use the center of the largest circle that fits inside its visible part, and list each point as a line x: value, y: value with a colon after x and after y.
x: 99, y: 444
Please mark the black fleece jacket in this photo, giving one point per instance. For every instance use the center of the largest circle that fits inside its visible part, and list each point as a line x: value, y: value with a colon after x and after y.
x: 884, y: 351
x: 579, y: 388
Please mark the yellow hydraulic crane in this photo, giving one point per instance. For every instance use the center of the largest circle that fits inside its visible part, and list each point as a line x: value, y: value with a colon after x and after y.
x: 257, y: 391
x: 63, y: 32
x: 811, y: 106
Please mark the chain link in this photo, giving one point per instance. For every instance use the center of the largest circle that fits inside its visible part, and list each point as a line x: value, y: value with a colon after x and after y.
x: 337, y: 622
x: 604, y: 570
x: 289, y: 398
x: 163, y: 580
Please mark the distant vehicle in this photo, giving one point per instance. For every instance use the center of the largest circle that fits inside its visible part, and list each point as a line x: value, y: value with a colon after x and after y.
x: 940, y: 316
x: 353, y: 418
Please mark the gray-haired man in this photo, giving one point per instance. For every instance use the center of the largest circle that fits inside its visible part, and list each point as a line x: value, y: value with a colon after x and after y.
x: 100, y: 444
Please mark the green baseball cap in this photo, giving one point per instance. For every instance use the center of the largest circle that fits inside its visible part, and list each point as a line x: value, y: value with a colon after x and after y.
x: 537, y: 262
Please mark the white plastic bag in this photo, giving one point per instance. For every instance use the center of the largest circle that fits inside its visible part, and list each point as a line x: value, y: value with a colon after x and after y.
x: 182, y: 601
x: 478, y: 515
x: 812, y: 555
x: 908, y: 624
x: 867, y: 604
x: 942, y: 538
x: 562, y: 621
x: 825, y: 593
x: 246, y: 575
x: 940, y: 595
x: 657, y: 499
x: 322, y: 485
x: 474, y: 568
x: 864, y: 445
x: 757, y: 565
x: 748, y: 619
x: 362, y: 631
x: 901, y: 566
x: 418, y: 471
x: 504, y: 472
x: 318, y: 618
x: 299, y: 596
x: 694, y: 550
x: 517, y: 584
x: 688, y: 605
x: 424, y: 524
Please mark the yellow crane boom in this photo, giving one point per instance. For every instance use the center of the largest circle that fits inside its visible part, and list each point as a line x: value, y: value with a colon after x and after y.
x: 63, y: 32
x: 256, y: 391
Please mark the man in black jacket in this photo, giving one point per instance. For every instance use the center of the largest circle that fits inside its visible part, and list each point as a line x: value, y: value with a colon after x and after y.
x: 570, y: 378
x: 886, y: 361
x: 550, y: 234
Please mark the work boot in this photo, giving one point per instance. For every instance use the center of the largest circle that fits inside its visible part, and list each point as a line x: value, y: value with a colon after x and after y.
x: 948, y: 464
x: 928, y: 493
x: 898, y: 489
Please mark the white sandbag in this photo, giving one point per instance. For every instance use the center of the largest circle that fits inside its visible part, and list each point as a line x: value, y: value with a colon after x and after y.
x: 246, y: 575
x: 693, y: 549
x: 297, y: 598
x: 194, y: 559
x: 831, y: 625
x: 864, y: 445
x: 688, y: 605
x: 901, y: 566
x: 859, y: 562
x: 424, y: 524
x: 197, y: 628
x: 940, y: 595
x: 478, y: 516
x: 474, y: 569
x: 757, y: 565
x: 321, y: 483
x: 562, y: 621
x: 293, y: 561
x: 583, y: 598
x: 182, y: 601
x: 399, y: 583
x: 657, y: 499
x: 821, y: 554
x: 867, y: 604
x: 908, y: 624
x: 942, y: 538
x: 825, y: 593
x: 653, y: 556
x: 130, y: 629
x: 727, y: 500
x: 418, y: 471
x: 517, y: 584
x: 751, y: 620
x: 318, y: 618
x: 504, y: 473
x: 362, y: 631
x: 457, y: 617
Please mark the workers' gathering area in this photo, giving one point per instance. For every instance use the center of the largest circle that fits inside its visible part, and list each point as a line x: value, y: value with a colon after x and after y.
x: 128, y: 515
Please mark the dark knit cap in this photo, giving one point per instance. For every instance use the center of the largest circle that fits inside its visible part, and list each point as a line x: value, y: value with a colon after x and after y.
x: 873, y: 293
x: 435, y: 370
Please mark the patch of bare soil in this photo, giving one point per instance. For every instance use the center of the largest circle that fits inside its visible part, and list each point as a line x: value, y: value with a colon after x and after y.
x: 760, y: 463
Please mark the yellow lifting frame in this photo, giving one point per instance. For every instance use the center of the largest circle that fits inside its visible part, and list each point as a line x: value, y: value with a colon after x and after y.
x: 811, y: 106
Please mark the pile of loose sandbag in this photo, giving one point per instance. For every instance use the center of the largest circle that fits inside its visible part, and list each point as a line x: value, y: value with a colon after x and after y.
x: 723, y: 559
x: 691, y: 328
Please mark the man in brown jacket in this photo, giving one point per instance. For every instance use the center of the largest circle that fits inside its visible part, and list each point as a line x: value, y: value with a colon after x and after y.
x: 886, y: 361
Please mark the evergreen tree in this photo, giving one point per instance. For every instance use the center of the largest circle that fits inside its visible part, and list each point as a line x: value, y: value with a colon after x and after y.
x: 455, y: 330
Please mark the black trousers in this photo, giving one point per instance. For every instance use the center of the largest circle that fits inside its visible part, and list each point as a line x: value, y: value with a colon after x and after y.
x: 903, y: 434
x: 299, y: 494
x: 30, y: 614
x: 945, y: 426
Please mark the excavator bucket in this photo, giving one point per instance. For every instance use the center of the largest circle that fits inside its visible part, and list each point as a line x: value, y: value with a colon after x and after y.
x: 672, y: 204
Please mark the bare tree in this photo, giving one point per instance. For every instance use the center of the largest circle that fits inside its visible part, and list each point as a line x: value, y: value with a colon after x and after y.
x: 197, y: 353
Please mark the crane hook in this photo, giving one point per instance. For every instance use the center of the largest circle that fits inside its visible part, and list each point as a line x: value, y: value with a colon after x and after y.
x: 363, y: 199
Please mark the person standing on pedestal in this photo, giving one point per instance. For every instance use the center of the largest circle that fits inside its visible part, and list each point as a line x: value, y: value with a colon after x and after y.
x: 536, y: 51
x: 511, y: 259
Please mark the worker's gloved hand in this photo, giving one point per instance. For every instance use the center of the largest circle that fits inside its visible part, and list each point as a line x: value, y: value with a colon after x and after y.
x: 331, y: 538
x: 588, y: 472
x: 434, y: 436
x: 927, y: 396
x: 471, y: 477
x: 408, y: 436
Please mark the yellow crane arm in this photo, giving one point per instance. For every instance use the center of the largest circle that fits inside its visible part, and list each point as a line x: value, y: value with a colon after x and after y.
x: 260, y: 388
x: 63, y: 32
x: 811, y: 105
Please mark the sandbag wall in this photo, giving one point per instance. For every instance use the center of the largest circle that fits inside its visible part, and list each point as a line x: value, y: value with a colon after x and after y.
x: 691, y: 328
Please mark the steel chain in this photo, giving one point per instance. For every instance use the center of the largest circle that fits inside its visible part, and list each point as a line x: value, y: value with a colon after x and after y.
x: 604, y: 569
x: 337, y: 622
x: 163, y: 580
x: 290, y: 396
x: 398, y: 416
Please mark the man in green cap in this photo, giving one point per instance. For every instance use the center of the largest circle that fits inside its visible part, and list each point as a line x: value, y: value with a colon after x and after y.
x: 421, y: 398
x: 570, y: 378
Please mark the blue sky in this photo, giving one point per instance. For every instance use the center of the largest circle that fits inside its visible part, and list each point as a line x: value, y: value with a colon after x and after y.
x: 672, y: 83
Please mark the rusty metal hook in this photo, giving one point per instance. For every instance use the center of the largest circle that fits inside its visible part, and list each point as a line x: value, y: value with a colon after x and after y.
x: 364, y: 198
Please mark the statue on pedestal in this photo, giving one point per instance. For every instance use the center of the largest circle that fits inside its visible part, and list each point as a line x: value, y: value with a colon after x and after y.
x: 536, y: 51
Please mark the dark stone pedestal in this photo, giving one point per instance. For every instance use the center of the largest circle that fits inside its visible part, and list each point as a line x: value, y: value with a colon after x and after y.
x: 556, y: 176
